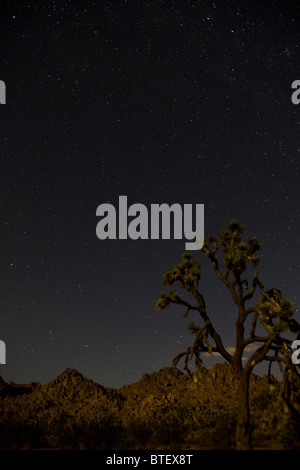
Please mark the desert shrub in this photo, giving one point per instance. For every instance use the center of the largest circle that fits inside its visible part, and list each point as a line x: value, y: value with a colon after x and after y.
x: 217, y: 435
x: 169, y: 433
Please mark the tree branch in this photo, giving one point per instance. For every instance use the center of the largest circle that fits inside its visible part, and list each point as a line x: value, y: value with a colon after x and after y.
x: 259, y: 354
x: 255, y: 282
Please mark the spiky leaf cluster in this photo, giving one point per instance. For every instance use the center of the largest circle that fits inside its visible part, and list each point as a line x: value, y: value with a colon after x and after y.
x: 287, y: 309
x: 275, y: 312
x: 165, y: 299
x: 236, y: 253
x: 193, y: 328
x: 186, y: 272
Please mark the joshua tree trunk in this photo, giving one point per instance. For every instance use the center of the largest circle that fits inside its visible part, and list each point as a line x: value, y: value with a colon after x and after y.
x: 243, y: 430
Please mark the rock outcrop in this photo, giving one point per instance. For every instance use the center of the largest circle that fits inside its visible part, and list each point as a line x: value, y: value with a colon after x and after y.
x: 163, y: 409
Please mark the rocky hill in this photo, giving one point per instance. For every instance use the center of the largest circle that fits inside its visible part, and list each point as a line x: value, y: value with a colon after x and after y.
x: 165, y: 409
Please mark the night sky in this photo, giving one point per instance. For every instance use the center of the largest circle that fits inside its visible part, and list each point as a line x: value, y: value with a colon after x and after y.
x: 183, y: 102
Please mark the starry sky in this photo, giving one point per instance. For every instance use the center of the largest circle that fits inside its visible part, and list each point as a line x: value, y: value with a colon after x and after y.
x: 182, y: 101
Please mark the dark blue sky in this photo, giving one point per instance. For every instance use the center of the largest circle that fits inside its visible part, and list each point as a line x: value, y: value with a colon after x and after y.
x: 180, y: 101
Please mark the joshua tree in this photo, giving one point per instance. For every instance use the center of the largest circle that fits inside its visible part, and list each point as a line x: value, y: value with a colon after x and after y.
x: 270, y: 313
